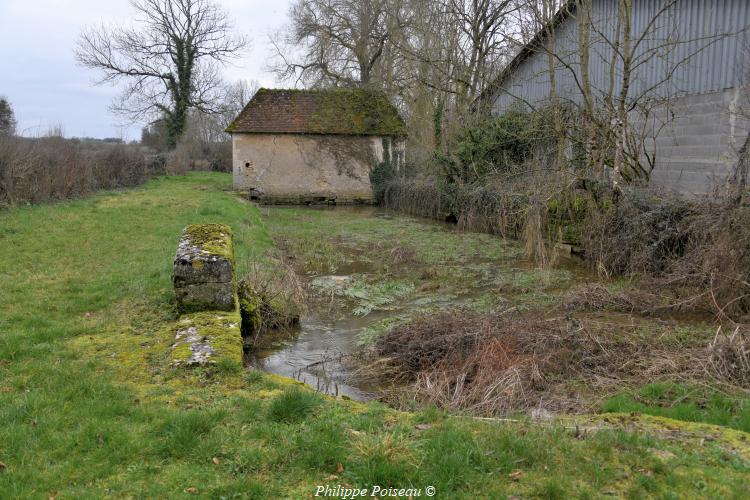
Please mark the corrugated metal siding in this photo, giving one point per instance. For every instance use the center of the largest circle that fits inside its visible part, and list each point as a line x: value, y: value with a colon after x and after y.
x: 684, y: 47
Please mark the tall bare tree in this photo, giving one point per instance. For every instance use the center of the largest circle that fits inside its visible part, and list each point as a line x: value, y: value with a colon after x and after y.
x: 432, y: 57
x: 336, y: 42
x: 169, y: 61
x: 455, y: 48
x: 483, y: 25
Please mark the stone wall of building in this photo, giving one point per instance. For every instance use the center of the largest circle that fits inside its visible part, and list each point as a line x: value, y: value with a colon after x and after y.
x: 297, y: 168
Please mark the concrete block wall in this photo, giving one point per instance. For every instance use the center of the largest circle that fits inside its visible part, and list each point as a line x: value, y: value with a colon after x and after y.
x: 697, y: 149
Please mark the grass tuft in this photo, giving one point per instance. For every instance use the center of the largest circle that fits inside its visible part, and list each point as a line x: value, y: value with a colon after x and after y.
x: 294, y: 405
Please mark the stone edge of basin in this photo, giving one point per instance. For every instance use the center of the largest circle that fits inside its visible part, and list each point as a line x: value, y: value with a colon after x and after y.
x: 208, y: 330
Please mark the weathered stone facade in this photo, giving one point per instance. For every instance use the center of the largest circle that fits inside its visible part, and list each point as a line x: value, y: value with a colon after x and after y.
x: 306, y: 168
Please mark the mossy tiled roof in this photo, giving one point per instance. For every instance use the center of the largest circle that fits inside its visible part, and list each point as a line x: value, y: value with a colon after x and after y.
x: 330, y: 111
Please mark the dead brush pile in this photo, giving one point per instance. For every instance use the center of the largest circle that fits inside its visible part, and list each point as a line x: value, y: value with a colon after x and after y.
x: 598, y: 297
x: 495, y: 364
x: 699, y: 249
x: 729, y: 356
x: 422, y: 198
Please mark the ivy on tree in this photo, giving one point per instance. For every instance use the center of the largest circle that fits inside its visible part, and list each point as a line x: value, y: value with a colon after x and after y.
x: 169, y: 61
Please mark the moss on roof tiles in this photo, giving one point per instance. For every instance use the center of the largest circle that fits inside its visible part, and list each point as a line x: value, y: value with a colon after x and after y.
x: 330, y: 111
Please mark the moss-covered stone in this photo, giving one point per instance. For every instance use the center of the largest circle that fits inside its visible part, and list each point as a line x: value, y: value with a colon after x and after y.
x: 335, y: 111
x: 362, y: 112
x: 206, y: 338
x: 204, y: 268
x: 214, y: 239
x: 250, y: 310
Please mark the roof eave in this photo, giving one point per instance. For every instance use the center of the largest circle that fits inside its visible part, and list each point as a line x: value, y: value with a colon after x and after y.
x: 526, y: 51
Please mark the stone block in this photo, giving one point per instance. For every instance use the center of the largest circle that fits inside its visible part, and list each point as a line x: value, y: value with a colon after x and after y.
x: 204, y: 268
x: 205, y: 296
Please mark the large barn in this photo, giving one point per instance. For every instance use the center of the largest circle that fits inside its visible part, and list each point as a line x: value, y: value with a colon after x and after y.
x: 688, y: 55
x: 314, y: 146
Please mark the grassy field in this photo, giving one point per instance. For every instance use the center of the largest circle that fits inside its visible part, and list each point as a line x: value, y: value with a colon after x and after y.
x: 90, y: 408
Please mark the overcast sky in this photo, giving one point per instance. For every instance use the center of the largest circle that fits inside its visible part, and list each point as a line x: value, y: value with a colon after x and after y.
x: 40, y: 78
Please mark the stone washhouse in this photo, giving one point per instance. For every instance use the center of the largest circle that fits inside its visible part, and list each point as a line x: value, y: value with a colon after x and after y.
x: 314, y: 146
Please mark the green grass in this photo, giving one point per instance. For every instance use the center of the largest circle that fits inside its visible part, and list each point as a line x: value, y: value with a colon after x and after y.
x: 90, y: 408
x: 293, y: 405
x: 684, y: 402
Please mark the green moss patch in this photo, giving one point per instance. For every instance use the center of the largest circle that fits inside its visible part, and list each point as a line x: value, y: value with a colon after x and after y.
x: 206, y: 338
x: 360, y: 111
x: 214, y: 239
x: 335, y: 111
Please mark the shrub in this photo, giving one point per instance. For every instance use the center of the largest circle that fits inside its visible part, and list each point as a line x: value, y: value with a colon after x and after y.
x: 53, y: 168
x: 700, y: 247
x: 497, y: 144
x: 271, y: 297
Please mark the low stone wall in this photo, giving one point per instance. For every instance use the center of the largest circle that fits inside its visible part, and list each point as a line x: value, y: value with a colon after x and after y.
x: 208, y: 331
x: 204, y: 269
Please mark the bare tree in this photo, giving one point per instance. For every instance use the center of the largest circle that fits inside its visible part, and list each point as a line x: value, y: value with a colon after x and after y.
x: 339, y: 42
x: 483, y: 25
x: 432, y: 57
x: 169, y: 62
x: 235, y: 97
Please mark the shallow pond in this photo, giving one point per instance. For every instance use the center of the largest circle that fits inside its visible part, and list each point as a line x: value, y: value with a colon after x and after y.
x: 366, y: 271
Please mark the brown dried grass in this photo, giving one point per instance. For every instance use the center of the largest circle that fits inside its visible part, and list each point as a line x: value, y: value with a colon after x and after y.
x: 403, y: 254
x: 729, y: 356
x: 495, y: 364
x: 597, y: 297
x: 35, y: 170
x: 271, y: 297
